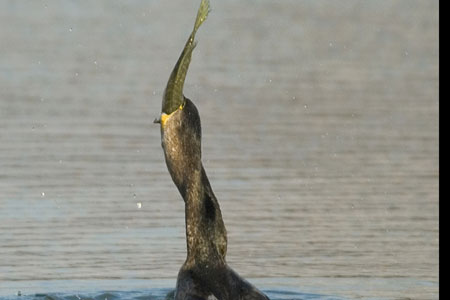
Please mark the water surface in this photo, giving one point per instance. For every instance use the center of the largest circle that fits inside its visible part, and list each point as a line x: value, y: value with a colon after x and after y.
x: 320, y: 138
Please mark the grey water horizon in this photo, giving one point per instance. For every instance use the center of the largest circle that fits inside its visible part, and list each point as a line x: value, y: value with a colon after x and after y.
x: 320, y: 139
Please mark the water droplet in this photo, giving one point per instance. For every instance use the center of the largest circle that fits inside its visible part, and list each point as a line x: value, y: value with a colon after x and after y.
x: 330, y: 44
x: 95, y: 62
x: 70, y: 29
x: 293, y: 98
x: 76, y: 74
x: 305, y: 106
x: 139, y: 205
x: 43, y: 194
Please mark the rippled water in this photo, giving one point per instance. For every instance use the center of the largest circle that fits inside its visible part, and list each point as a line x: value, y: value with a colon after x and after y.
x: 320, y: 138
x: 156, y: 294
x: 159, y: 294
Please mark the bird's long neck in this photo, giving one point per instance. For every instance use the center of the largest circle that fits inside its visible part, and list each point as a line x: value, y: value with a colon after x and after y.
x: 205, y: 231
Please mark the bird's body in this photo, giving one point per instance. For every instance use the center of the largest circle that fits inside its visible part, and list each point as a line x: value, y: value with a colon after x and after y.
x: 205, y: 274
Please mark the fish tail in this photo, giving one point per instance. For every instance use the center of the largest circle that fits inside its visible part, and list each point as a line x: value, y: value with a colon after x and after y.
x: 202, y: 14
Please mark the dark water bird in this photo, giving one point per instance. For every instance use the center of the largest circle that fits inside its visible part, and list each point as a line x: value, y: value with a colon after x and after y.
x: 205, y: 273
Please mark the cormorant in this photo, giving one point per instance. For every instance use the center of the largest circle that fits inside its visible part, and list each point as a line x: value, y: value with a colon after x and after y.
x: 205, y: 273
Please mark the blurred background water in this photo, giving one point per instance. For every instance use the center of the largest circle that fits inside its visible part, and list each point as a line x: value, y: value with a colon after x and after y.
x: 320, y: 138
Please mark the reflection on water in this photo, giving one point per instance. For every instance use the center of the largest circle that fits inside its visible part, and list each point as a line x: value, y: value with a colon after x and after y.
x: 135, y: 289
x: 320, y: 138
x: 276, y: 288
x: 160, y: 294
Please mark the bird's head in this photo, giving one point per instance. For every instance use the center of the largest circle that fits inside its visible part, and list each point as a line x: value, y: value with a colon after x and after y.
x: 181, y: 140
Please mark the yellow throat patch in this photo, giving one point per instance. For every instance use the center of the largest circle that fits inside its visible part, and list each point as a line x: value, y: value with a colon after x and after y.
x: 165, y: 117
